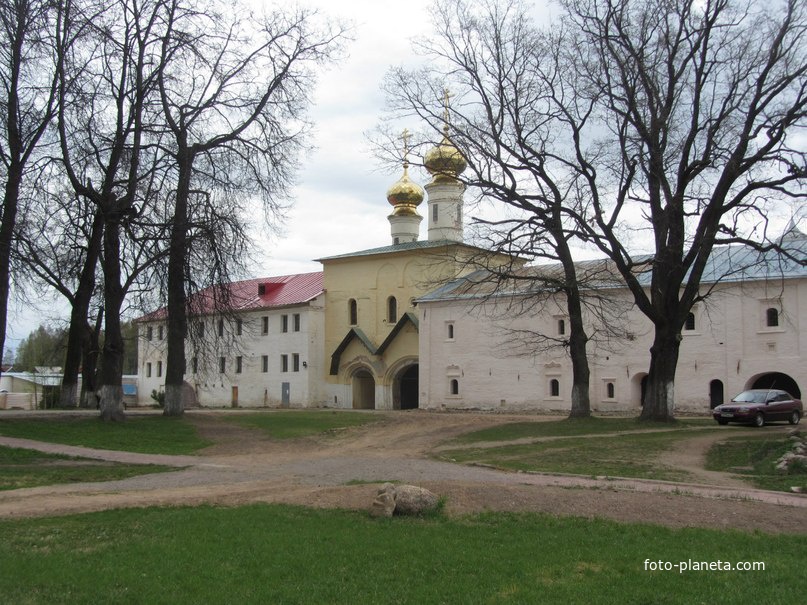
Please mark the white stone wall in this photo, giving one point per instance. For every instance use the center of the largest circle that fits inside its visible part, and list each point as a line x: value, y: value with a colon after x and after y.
x: 255, y: 385
x: 730, y: 343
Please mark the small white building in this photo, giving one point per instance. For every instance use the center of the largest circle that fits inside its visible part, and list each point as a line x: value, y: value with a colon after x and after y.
x: 265, y: 350
x: 476, y: 350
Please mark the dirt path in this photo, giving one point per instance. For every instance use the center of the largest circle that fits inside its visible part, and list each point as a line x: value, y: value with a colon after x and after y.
x: 342, y: 471
x: 690, y: 455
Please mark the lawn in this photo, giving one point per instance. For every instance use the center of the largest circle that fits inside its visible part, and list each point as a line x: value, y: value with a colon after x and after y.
x: 278, y: 554
x: 569, y: 427
x: 26, y: 468
x: 295, y: 424
x: 755, y: 459
x: 143, y: 434
x: 632, y: 455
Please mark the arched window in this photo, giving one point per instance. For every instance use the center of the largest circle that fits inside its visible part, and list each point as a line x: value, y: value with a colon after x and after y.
x: 353, y: 311
x: 450, y: 333
x: 561, y: 327
x: 772, y: 317
x: 455, y: 386
x: 554, y: 388
x: 392, y: 310
x: 434, y: 213
x: 610, y: 391
x: 690, y: 322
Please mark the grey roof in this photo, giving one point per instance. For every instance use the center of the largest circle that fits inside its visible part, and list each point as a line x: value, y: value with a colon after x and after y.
x: 731, y: 263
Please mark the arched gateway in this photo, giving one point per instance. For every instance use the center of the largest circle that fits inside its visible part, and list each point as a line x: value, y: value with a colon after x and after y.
x: 406, y: 388
x: 363, y: 390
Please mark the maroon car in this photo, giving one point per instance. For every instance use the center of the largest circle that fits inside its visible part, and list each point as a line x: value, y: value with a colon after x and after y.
x: 759, y: 406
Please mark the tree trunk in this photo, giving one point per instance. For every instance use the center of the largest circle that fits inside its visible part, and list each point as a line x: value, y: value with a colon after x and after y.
x: 659, y: 398
x: 578, y: 339
x: 111, y: 379
x: 177, y: 318
x: 79, y: 337
x: 10, y: 200
x: 89, y: 369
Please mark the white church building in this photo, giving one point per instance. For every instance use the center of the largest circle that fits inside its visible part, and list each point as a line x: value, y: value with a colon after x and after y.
x: 478, y: 348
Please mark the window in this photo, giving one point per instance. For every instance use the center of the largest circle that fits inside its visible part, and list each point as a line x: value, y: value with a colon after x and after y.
x: 284, y: 323
x: 264, y: 363
x: 221, y: 327
x: 690, y: 322
x: 353, y: 311
x: 295, y: 362
x: 554, y: 388
x: 200, y: 329
x: 610, y: 390
x: 450, y: 331
x: 194, y: 365
x: 159, y: 369
x: 238, y: 364
x: 296, y: 318
x: 149, y: 333
x: 284, y: 363
x: 264, y: 325
x: 239, y: 327
x: 561, y: 327
x: 148, y: 370
x: 772, y: 317
x: 222, y: 365
x: 392, y: 310
x: 434, y: 213
x: 160, y: 332
x: 455, y: 386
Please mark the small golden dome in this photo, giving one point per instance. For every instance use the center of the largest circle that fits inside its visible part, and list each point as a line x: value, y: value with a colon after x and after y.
x: 444, y: 162
x: 405, y: 195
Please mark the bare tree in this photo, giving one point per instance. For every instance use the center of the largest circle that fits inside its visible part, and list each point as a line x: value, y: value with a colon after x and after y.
x: 671, y: 123
x: 233, y: 95
x: 104, y: 88
x: 28, y: 83
x: 490, y: 56
x: 699, y: 108
x: 59, y: 243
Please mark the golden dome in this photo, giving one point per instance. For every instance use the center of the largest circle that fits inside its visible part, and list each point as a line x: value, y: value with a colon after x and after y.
x: 444, y: 162
x: 405, y: 195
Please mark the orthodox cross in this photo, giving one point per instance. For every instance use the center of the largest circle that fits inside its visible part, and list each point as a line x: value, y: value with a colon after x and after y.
x: 405, y: 136
x: 446, y: 98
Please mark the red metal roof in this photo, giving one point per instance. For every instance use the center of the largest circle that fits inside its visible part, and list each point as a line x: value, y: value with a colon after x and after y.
x: 254, y: 294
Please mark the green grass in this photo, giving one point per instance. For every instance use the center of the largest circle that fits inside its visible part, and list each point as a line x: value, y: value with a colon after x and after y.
x: 620, y: 456
x: 143, y: 434
x: 292, y: 425
x: 26, y: 468
x: 276, y: 554
x: 570, y: 427
x: 755, y: 458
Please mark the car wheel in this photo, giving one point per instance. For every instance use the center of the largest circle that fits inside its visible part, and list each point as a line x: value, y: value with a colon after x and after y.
x: 722, y: 421
x: 759, y: 420
x: 794, y: 417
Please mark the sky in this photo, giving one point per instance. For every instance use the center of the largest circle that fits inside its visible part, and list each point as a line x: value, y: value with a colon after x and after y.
x: 339, y: 204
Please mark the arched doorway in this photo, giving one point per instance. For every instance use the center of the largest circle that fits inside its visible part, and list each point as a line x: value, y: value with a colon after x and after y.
x: 638, y: 389
x: 408, y: 388
x: 716, y: 395
x: 777, y: 380
x: 363, y: 390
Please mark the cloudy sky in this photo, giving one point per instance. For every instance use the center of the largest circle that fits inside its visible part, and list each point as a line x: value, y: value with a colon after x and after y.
x: 340, y: 203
